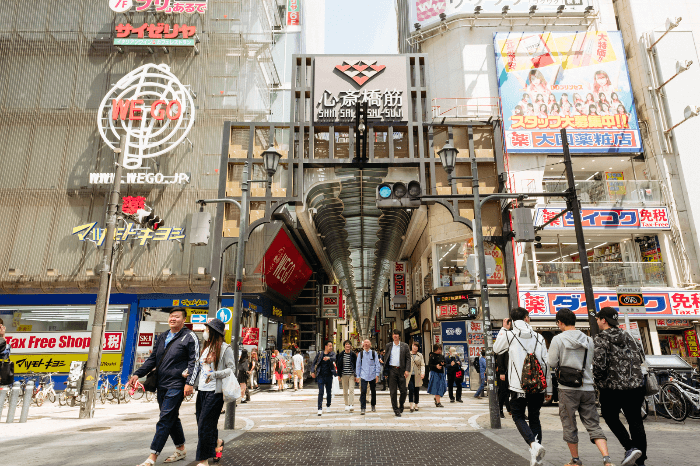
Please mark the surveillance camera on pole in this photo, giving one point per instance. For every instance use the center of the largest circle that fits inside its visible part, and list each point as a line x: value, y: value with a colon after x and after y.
x: 200, y: 229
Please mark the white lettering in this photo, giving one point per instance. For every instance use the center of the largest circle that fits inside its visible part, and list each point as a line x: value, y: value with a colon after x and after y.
x: 184, y: 177
x: 159, y: 178
x: 149, y: 178
x: 141, y: 178
x: 131, y: 178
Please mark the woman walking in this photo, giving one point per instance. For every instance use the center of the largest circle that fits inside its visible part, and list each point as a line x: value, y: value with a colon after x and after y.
x: 217, y: 363
x: 279, y: 364
x: 415, y: 376
x: 253, y: 379
x: 455, y: 374
x: 436, y: 384
x: 242, y: 375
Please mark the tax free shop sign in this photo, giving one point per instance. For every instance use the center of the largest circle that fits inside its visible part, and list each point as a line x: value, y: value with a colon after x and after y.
x: 61, y: 342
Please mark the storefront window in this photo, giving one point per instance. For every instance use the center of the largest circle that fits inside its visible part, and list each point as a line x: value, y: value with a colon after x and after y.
x: 59, y: 318
x: 452, y: 261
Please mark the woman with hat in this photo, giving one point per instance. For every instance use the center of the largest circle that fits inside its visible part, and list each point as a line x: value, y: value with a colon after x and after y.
x: 217, y: 363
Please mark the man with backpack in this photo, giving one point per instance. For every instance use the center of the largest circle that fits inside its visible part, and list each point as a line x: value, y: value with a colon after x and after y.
x: 617, y: 371
x: 528, y: 377
x: 368, y: 369
x: 571, y: 356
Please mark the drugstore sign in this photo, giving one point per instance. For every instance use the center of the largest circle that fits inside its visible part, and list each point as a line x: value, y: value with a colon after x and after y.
x: 642, y: 218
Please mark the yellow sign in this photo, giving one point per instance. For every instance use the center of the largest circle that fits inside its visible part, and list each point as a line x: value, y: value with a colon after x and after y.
x: 24, y: 328
x: 276, y: 311
x: 191, y: 311
x: 176, y: 302
x: 111, y: 362
x: 193, y: 302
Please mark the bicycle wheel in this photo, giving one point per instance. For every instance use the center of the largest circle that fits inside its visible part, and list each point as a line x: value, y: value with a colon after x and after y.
x: 38, y: 399
x: 674, y: 402
x: 138, y: 392
x: 103, y: 394
x: 62, y: 399
x: 150, y: 396
x: 124, y: 393
x: 51, y: 396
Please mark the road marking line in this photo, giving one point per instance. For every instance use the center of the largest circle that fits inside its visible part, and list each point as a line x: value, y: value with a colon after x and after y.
x: 472, y: 422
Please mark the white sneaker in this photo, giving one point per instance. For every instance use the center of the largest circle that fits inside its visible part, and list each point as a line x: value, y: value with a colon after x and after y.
x: 319, y: 412
x: 347, y: 408
x: 352, y: 408
x: 327, y: 409
x: 537, y: 453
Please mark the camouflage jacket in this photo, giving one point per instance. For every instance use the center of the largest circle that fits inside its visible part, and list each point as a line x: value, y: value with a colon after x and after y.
x: 617, y: 360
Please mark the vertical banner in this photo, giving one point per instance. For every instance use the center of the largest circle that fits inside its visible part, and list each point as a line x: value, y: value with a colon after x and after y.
x: 398, y: 293
x: 331, y: 302
x: 293, y: 15
x: 578, y: 81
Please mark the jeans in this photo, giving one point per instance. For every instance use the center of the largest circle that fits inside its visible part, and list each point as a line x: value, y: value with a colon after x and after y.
x: 533, y: 403
x: 397, y: 380
x: 630, y: 401
x: 451, y: 379
x: 363, y: 392
x: 207, y: 412
x: 169, y: 425
x: 413, y: 390
x: 348, y: 389
x: 326, y: 382
x: 479, y: 391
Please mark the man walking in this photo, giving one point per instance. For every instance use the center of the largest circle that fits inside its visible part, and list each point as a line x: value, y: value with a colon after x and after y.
x: 617, y: 371
x: 298, y: 362
x: 480, y: 392
x: 520, y: 340
x: 323, y: 371
x: 396, y: 368
x: 346, y: 362
x: 176, y: 358
x: 571, y: 355
x: 383, y: 376
x: 368, y: 369
x: 502, y: 382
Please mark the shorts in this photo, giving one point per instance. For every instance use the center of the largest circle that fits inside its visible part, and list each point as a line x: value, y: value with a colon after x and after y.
x: 299, y: 374
x: 279, y: 375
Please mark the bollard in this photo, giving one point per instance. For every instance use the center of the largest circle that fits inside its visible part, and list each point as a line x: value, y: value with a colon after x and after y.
x: 28, y: 392
x: 14, y: 394
x: 4, y: 391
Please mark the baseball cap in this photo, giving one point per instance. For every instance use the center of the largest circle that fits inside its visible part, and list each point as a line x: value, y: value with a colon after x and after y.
x: 610, y: 316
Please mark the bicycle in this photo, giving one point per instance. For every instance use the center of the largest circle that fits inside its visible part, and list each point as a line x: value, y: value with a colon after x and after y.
x: 48, y: 388
x: 37, y: 395
x: 109, y: 392
x: 690, y: 397
x: 136, y: 390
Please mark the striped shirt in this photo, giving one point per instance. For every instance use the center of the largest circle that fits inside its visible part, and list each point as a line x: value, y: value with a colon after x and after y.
x: 347, y: 364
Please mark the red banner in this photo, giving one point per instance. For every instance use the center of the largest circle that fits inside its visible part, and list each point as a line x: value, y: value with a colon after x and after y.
x: 284, y: 268
x: 250, y: 335
x: 691, y: 341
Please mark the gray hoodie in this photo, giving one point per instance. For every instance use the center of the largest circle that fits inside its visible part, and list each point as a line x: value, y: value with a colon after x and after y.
x: 567, y: 350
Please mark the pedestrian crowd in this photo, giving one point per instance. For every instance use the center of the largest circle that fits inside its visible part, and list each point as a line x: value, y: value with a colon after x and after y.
x: 613, y: 363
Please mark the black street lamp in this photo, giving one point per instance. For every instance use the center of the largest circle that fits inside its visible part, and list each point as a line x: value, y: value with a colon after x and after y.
x: 448, y: 157
x: 271, y: 159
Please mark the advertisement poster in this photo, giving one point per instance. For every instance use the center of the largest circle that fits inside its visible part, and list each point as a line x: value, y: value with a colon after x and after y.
x: 553, y: 80
x: 283, y: 267
x: 691, y: 341
x: 498, y: 276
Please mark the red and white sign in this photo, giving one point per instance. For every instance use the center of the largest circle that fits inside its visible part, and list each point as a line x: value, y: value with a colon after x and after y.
x: 61, y: 342
x: 250, y: 336
x: 283, y: 267
x: 145, y: 340
x: 398, y: 292
x: 293, y: 15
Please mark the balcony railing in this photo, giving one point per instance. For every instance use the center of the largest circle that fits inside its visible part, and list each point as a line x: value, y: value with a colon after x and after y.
x: 603, y: 274
x: 623, y: 192
x: 469, y: 108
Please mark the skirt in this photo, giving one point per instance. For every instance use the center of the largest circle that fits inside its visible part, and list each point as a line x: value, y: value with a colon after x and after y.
x: 437, y: 384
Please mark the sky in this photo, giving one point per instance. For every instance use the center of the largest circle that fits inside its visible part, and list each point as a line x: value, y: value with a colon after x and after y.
x: 360, y: 27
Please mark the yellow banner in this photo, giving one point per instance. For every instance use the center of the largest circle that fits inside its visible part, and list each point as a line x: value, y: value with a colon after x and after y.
x: 24, y: 363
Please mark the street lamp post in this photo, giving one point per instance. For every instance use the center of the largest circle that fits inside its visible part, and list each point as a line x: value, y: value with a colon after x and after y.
x: 271, y: 159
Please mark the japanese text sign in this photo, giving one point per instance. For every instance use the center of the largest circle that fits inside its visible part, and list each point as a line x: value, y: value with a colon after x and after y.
x: 159, y: 6
x: 155, y: 34
x: 633, y: 218
x: 691, y: 341
x: 61, y: 342
x: 553, y: 80
x: 24, y: 363
x: 132, y: 231
x: 250, y: 336
x: 398, y: 293
x: 293, y: 15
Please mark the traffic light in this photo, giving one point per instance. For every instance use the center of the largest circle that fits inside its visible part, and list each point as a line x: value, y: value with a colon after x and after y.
x: 147, y: 219
x: 398, y: 195
x: 473, y: 308
x: 200, y: 229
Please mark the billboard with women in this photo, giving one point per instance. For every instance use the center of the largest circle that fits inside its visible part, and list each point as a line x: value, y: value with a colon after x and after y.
x: 553, y: 80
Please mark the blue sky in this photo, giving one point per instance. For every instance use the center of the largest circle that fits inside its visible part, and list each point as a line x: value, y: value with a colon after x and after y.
x: 360, y: 27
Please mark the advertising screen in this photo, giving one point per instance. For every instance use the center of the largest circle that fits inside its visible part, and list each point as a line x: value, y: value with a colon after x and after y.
x: 553, y: 80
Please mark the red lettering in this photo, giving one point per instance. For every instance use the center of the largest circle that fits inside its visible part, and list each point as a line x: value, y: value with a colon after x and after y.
x: 33, y: 341
x: 52, y: 342
x: 62, y: 342
x: 43, y: 342
x: 158, y: 113
x: 170, y: 106
x: 120, y: 109
x: 134, y: 109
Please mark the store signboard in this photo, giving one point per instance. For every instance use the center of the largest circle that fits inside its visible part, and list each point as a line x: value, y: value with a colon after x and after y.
x: 155, y: 34
x: 632, y: 218
x: 630, y: 300
x: 341, y: 81
x: 398, y: 286
x: 294, y: 15
x: 168, y: 7
x: 132, y: 231
x: 553, y: 80
x: 60, y: 362
x: 634, y: 331
x: 61, y: 342
x: 673, y: 323
x: 454, y: 331
x: 657, y: 302
x: 427, y: 12
x: 283, y: 267
x: 250, y: 336
x: 332, y: 302
x: 691, y: 341
x: 452, y: 306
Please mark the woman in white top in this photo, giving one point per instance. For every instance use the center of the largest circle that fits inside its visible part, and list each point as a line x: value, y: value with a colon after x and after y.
x: 217, y: 363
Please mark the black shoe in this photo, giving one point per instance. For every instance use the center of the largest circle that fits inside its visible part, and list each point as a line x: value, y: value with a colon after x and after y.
x: 374, y: 410
x: 397, y: 414
x: 244, y: 401
x: 460, y: 401
x: 503, y: 416
x: 452, y: 400
x: 401, y: 409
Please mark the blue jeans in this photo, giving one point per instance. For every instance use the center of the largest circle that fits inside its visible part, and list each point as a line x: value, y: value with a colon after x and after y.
x: 480, y: 390
x: 207, y: 412
x: 328, y: 383
x: 533, y: 403
x: 169, y: 424
x: 363, y: 392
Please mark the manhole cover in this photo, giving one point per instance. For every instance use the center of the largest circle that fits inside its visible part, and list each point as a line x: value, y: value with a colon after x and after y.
x: 94, y: 429
x: 137, y: 419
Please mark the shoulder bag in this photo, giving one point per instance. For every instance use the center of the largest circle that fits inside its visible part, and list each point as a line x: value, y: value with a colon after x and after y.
x: 7, y: 367
x: 570, y: 377
x: 230, y: 387
x: 151, y: 382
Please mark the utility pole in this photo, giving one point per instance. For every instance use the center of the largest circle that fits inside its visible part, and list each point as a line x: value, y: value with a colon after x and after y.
x: 90, y: 375
x: 574, y: 206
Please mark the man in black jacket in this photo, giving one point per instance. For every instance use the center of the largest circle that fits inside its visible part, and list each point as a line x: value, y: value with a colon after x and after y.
x: 397, y: 365
x: 176, y: 357
x: 502, y: 382
x: 346, y: 362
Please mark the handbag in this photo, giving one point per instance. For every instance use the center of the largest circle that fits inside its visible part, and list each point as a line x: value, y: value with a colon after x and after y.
x: 230, y: 387
x: 7, y: 372
x: 570, y: 377
x: 651, y: 384
x: 151, y: 382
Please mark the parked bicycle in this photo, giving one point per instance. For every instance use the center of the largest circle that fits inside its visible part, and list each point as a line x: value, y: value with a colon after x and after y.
x: 687, y: 397
x: 47, y: 387
x: 136, y: 391
x: 109, y: 392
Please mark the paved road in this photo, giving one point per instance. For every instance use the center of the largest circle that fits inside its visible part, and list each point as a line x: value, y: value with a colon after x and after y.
x: 278, y: 427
